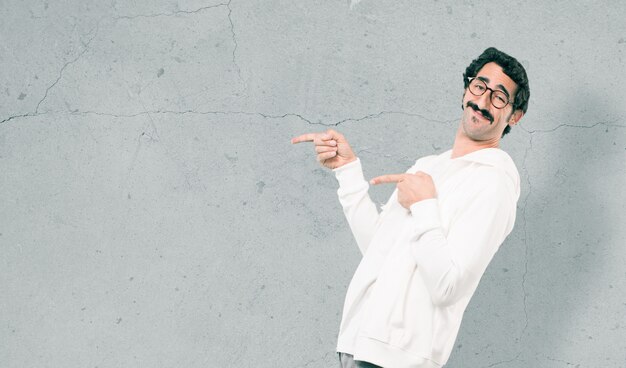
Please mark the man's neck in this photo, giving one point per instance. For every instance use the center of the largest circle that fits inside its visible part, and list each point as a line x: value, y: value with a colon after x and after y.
x: 464, y: 145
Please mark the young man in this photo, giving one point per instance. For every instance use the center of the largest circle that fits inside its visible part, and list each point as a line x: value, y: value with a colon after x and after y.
x: 425, y: 253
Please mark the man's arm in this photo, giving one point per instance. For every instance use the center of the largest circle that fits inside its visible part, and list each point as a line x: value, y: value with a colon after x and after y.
x: 334, y: 152
x: 452, y: 265
x: 358, y: 207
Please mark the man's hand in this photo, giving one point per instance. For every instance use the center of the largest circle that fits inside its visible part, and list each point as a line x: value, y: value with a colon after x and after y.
x: 412, y: 188
x: 331, y: 146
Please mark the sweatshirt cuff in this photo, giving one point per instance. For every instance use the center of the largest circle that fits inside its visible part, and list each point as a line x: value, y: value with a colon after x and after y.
x: 425, y: 216
x: 350, y: 174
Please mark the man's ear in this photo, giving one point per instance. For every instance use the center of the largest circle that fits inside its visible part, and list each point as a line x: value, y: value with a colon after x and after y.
x: 515, y: 117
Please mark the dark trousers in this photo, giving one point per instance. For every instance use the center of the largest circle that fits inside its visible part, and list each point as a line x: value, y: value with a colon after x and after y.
x: 347, y: 361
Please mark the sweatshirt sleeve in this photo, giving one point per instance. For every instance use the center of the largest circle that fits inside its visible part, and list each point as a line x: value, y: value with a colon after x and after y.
x: 359, y: 209
x: 452, y: 265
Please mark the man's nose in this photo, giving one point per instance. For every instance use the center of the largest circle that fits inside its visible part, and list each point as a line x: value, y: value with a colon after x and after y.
x: 484, y: 100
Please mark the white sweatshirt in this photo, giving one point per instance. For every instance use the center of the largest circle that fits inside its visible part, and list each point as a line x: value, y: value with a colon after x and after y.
x: 420, y: 267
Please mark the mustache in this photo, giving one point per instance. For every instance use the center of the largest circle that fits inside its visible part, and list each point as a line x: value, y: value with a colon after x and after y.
x: 485, y: 113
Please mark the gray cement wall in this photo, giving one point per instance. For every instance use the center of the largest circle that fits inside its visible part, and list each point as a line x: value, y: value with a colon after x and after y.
x: 154, y: 213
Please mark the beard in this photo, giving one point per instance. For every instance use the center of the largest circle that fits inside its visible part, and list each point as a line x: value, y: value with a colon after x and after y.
x: 475, y: 128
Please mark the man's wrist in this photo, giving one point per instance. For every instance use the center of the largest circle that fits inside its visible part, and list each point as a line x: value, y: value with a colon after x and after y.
x: 422, y: 199
x: 425, y: 215
x: 350, y: 174
x: 347, y: 163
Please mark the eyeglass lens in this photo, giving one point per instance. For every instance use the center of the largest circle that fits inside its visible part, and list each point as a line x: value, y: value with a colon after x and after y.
x: 498, y: 98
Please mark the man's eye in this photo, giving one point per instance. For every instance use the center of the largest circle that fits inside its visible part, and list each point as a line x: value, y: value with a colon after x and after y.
x: 501, y: 99
x: 479, y: 86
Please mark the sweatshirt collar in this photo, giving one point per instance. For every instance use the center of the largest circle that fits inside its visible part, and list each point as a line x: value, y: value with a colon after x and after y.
x: 486, y: 156
x: 490, y: 156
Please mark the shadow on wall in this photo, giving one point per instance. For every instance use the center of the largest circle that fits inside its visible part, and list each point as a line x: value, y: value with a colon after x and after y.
x: 571, y: 245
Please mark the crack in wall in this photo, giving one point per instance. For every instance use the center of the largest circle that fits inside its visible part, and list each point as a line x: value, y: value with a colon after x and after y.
x: 183, y: 112
x: 504, y: 361
x: 17, y: 117
x: 86, y: 45
x: 563, y: 361
x: 299, y: 116
x: 232, y: 30
x: 170, y: 14
x: 605, y: 123
x: 265, y: 115
x: 385, y: 112
x: 65, y: 66
x: 530, y: 190
x: 36, y: 112
x: 316, y: 361
x: 230, y: 20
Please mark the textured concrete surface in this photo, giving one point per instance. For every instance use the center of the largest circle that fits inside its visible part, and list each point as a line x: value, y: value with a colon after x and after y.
x: 154, y: 213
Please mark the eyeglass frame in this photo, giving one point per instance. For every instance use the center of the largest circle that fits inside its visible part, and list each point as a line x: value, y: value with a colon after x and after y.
x: 508, y: 99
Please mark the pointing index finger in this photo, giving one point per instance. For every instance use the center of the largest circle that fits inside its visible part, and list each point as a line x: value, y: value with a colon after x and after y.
x: 392, y: 178
x: 309, y: 137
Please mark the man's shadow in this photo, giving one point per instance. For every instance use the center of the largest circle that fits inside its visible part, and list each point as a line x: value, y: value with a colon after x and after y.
x: 539, y: 301
x: 571, y: 225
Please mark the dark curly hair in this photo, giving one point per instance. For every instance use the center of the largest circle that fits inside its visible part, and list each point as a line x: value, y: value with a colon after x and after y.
x: 511, y: 67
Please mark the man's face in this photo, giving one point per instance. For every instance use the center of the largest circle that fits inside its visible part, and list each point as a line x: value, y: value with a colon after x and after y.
x: 488, y: 126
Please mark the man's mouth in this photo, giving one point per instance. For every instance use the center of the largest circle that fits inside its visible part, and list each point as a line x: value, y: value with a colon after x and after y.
x: 479, y: 114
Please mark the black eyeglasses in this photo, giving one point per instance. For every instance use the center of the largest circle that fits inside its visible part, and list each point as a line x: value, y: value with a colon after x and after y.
x: 477, y: 87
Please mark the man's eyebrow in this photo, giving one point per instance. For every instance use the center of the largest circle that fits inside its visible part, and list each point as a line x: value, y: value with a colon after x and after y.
x: 486, y: 80
x: 503, y: 90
